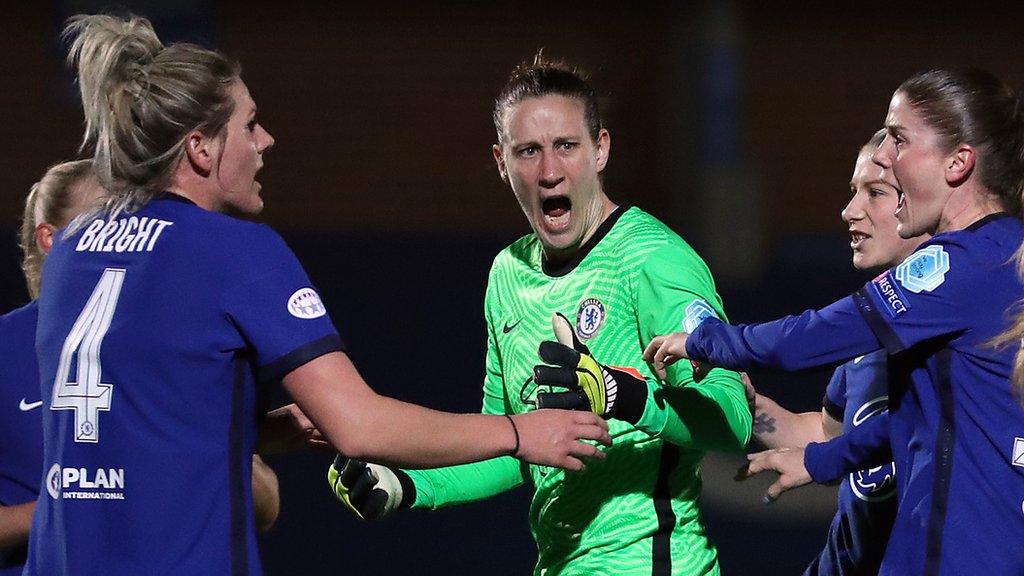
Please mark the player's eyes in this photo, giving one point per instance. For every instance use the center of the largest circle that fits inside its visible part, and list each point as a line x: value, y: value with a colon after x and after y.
x: 528, y: 151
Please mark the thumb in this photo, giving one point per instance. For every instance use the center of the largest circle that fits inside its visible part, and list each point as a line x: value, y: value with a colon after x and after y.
x: 563, y: 331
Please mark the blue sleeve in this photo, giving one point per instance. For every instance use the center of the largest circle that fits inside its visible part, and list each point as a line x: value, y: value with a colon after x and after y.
x: 922, y: 298
x: 834, y: 401
x: 277, y: 310
x: 815, y: 338
x: 863, y: 447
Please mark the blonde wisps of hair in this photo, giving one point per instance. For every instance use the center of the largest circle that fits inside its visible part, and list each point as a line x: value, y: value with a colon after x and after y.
x: 49, y: 200
x: 141, y: 99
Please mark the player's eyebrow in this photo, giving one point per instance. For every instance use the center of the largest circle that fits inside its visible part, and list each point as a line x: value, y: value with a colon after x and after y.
x: 895, y: 129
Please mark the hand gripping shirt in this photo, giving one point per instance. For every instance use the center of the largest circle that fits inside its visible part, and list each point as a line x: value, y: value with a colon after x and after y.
x: 155, y: 328
x: 637, y: 512
x: 955, y: 428
x: 21, y: 427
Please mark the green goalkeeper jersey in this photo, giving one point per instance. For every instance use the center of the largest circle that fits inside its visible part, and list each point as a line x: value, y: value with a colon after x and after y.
x: 638, y: 511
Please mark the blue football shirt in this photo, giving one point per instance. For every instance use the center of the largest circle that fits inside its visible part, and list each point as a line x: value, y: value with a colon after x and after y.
x: 155, y: 329
x: 955, y: 428
x: 21, y: 427
x: 857, y: 537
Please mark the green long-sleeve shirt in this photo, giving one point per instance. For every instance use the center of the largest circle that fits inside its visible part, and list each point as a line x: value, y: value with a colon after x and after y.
x: 637, y: 510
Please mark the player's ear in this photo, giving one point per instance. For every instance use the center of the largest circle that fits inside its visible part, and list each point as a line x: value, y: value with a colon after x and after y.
x: 200, y: 150
x: 44, y: 236
x: 499, y: 159
x: 960, y: 164
x: 604, y: 147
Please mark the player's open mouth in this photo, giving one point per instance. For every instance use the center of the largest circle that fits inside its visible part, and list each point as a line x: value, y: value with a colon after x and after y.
x: 857, y: 237
x: 901, y: 202
x: 557, y: 210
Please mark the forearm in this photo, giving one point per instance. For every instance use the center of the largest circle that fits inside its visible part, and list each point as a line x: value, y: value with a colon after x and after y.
x: 814, y: 338
x: 864, y: 446
x: 712, y: 415
x: 266, y: 495
x: 776, y: 427
x: 366, y: 426
x: 15, y: 522
x: 453, y: 485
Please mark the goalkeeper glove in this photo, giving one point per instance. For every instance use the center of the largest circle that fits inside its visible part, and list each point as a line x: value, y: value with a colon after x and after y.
x: 371, y: 491
x: 605, y: 390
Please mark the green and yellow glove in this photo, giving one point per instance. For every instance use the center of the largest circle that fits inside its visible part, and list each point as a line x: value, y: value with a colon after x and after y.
x: 609, y: 391
x: 371, y: 491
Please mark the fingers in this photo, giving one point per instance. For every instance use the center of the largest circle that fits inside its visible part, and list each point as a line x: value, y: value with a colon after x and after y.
x: 560, y: 377
x: 652, y: 348
x: 773, y: 492
x: 573, y: 464
x: 584, y: 450
x: 590, y: 418
x: 761, y: 461
x: 558, y: 354
x: 742, y: 473
x: 594, y: 432
x: 572, y: 400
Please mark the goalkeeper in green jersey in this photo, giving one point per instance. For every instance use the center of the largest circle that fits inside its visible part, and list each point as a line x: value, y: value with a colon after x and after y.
x: 614, y: 277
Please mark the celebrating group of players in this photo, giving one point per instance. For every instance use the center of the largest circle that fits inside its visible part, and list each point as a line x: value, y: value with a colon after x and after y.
x: 160, y: 314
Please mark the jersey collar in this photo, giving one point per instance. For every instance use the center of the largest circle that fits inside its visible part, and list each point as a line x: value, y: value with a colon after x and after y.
x: 987, y: 219
x: 571, y: 264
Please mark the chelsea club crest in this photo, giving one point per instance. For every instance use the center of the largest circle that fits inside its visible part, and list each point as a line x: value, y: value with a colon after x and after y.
x: 589, y: 318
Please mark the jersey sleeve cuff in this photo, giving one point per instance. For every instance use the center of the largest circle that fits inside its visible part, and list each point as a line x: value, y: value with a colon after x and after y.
x: 832, y: 409
x: 277, y: 369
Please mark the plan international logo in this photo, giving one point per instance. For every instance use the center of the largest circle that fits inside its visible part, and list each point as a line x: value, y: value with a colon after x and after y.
x: 85, y: 484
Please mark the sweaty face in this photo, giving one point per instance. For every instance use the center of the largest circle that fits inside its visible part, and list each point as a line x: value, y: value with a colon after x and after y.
x: 243, y: 143
x: 552, y: 164
x: 871, y: 218
x: 911, y: 150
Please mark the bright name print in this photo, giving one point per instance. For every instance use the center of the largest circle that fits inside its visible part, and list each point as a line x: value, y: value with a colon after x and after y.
x: 131, y: 234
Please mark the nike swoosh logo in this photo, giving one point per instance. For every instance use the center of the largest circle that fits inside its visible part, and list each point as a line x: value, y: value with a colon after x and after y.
x: 26, y: 406
x: 506, y: 329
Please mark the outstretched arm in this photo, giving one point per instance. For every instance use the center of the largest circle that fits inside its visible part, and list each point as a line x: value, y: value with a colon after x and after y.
x: 815, y: 338
x: 777, y: 427
x: 367, y: 426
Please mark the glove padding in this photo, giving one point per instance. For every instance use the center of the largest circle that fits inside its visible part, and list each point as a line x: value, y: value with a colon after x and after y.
x: 607, y: 391
x: 371, y: 491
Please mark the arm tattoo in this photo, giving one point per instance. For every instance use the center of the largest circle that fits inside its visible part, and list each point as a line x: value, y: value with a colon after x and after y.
x: 764, y: 424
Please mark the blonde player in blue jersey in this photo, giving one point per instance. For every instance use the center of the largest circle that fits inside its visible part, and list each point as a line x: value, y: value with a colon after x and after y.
x: 608, y: 277
x: 161, y: 313
x: 64, y: 191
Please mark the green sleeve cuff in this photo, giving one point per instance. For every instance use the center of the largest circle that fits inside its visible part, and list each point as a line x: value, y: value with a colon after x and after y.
x: 712, y: 415
x: 452, y: 485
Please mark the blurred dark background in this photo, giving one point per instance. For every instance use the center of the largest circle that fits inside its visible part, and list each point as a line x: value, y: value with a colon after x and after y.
x: 735, y: 122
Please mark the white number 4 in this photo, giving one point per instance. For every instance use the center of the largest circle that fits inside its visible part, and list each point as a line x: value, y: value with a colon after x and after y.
x: 87, y: 395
